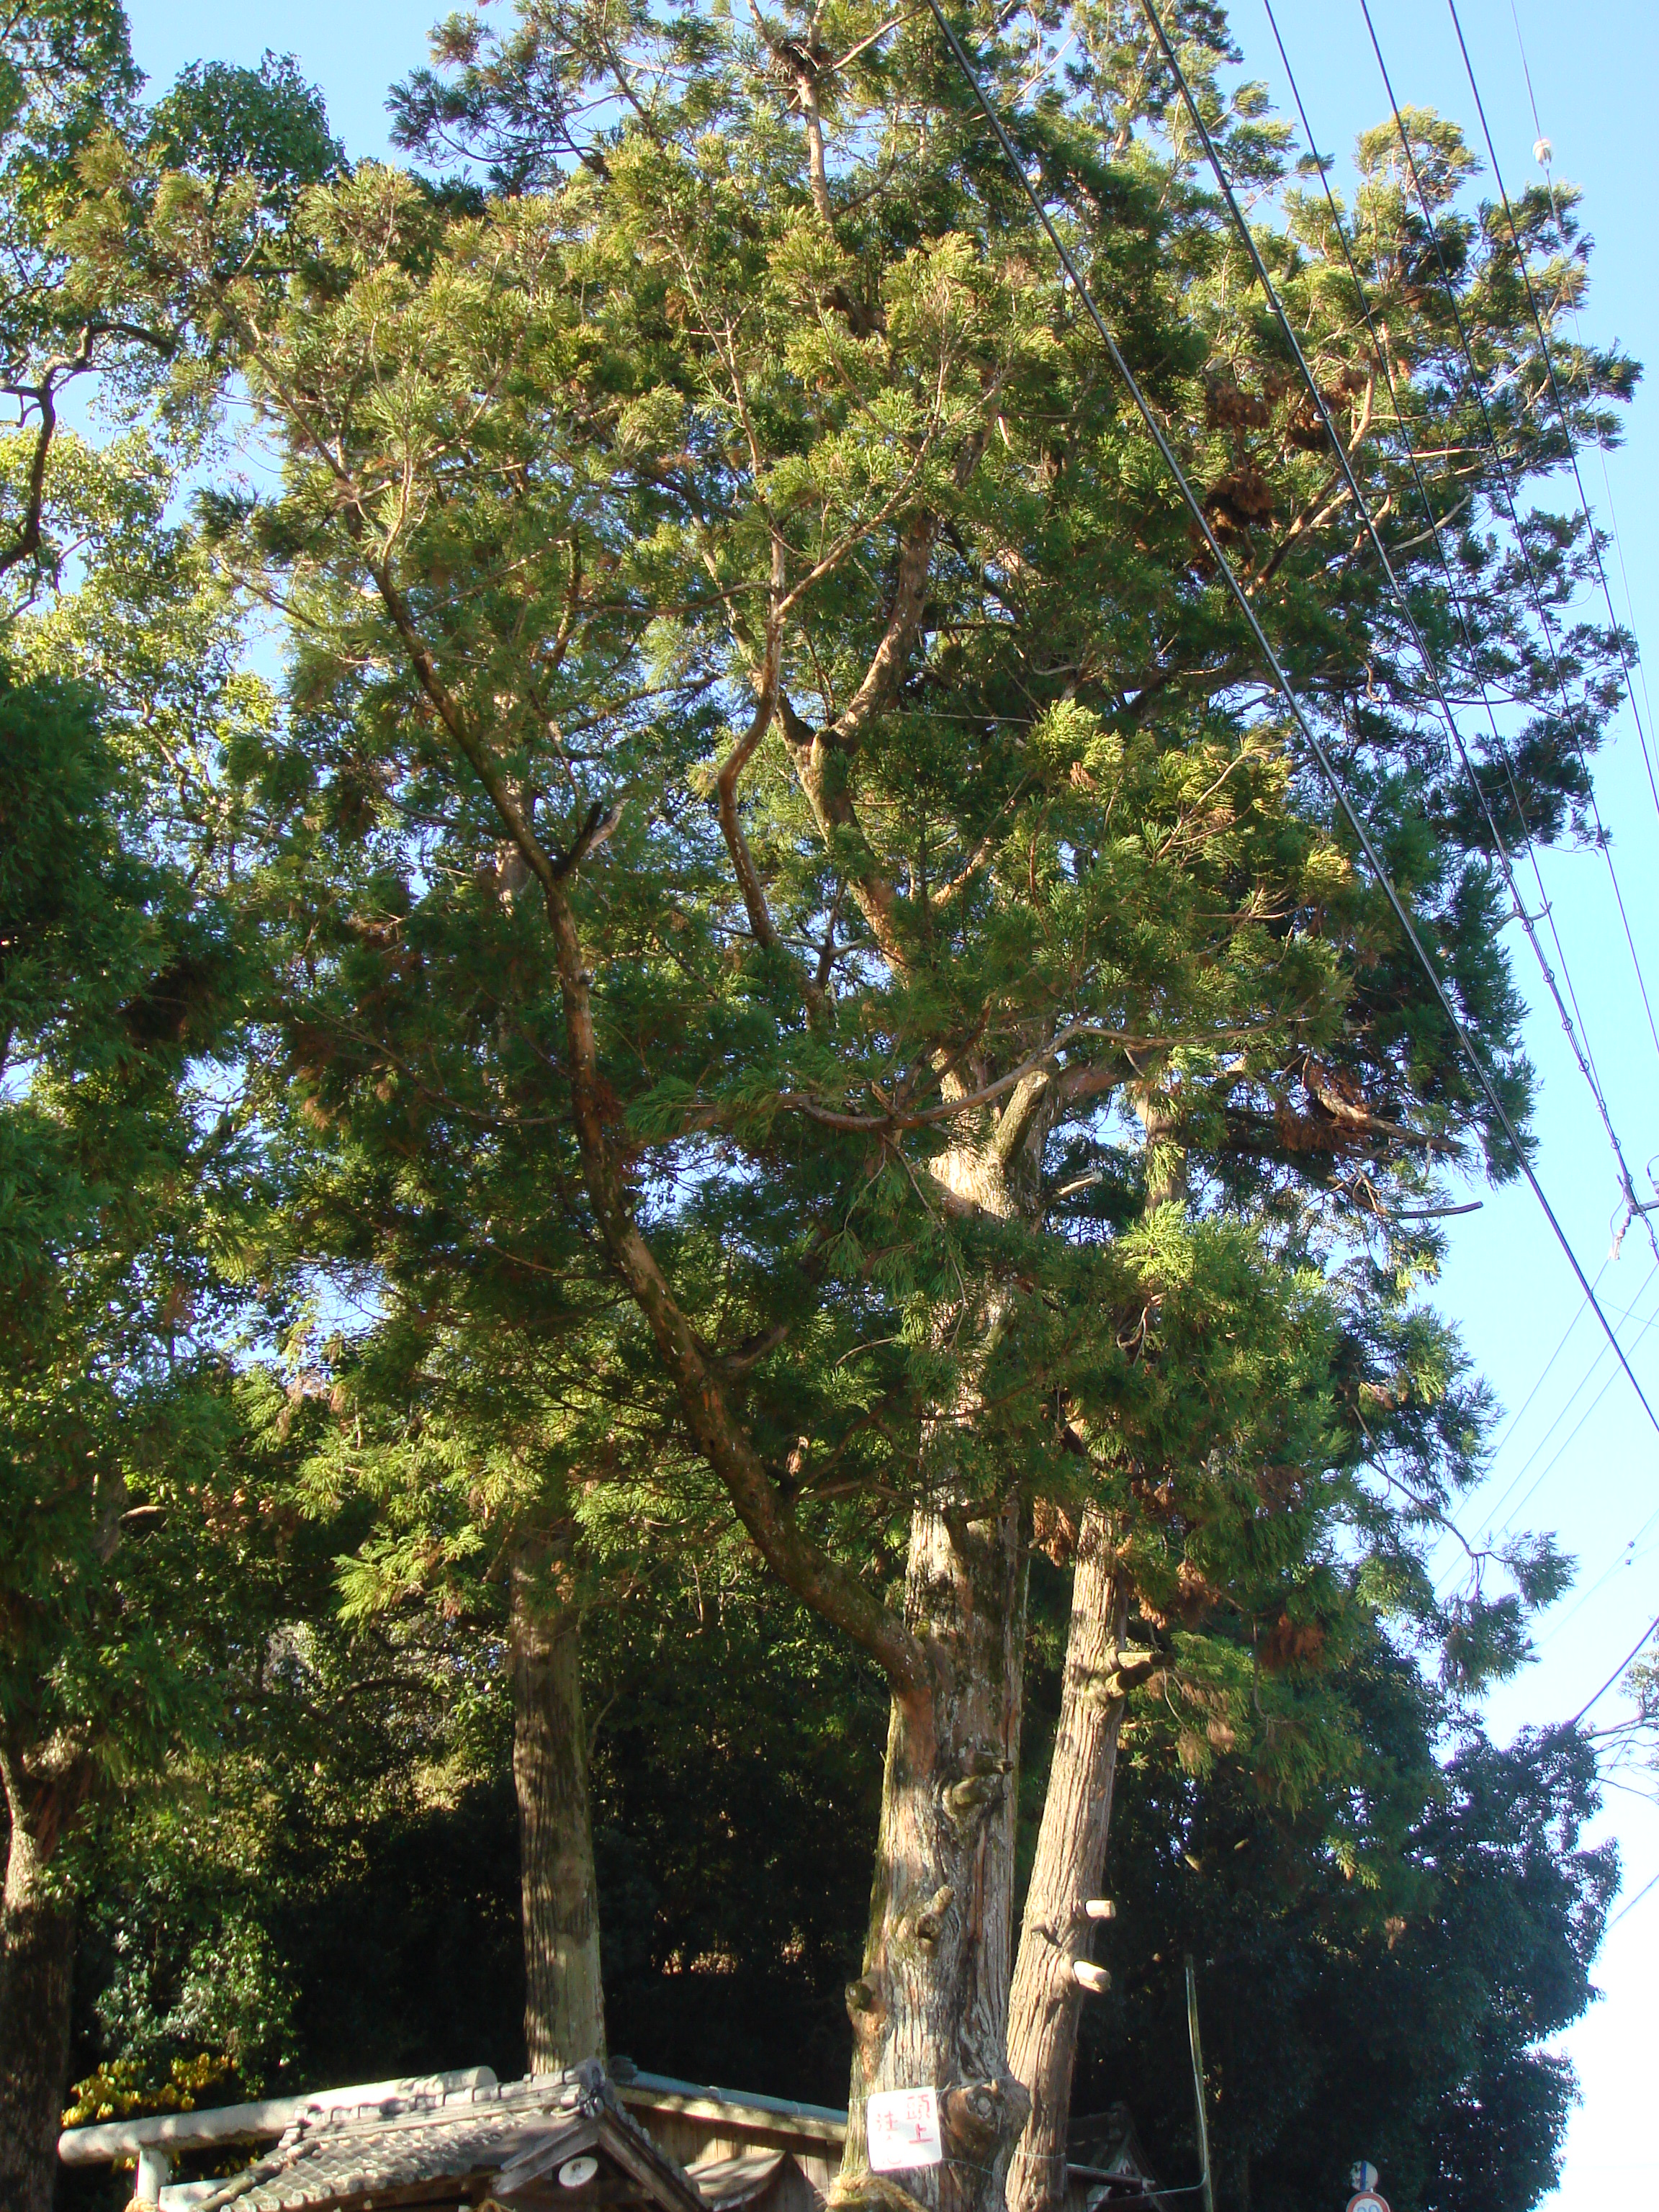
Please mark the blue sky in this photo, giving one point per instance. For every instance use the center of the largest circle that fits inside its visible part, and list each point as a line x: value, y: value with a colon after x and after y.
x: 1594, y: 1476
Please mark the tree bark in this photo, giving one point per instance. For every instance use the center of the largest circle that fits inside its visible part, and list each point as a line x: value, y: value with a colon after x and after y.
x: 930, y: 2008
x: 564, y: 2003
x: 1047, y: 2001
x: 37, y: 1959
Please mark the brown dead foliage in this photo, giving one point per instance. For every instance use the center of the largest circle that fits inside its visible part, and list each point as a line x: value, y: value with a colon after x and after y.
x: 1291, y: 1643
x: 1054, y: 1531
x: 1228, y: 406
x: 1239, y: 500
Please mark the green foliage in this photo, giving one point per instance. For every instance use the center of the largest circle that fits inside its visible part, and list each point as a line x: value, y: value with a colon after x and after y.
x: 548, y: 467
x: 114, y: 1408
x: 66, y: 71
x: 1010, y: 1078
x: 222, y: 123
x: 1379, y: 1968
x: 1379, y: 1963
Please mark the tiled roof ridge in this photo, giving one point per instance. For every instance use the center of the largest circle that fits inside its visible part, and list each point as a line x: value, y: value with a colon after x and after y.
x: 392, y: 2111
x: 548, y: 2093
x: 585, y: 2089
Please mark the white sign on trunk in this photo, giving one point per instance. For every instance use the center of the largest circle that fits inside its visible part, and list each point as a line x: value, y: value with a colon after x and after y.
x: 902, y: 2129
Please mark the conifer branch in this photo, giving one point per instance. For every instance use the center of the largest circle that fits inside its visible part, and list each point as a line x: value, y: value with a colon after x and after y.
x: 1037, y: 1070
x: 815, y: 1577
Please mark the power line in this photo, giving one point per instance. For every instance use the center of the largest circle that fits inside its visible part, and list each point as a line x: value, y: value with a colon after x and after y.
x: 1555, y: 1460
x: 1627, y: 1554
x: 1584, y: 1057
x: 1630, y: 1904
x: 1477, y: 387
x: 1490, y: 1515
x: 1626, y: 1558
x: 1327, y: 767
x: 1582, y: 1383
x: 1544, y: 1375
x: 1543, y: 151
x: 1627, y: 1662
x: 1555, y: 392
x: 1345, y: 463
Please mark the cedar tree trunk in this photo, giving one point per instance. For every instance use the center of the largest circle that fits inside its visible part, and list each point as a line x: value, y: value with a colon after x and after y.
x: 930, y: 2009
x: 564, y: 2005
x: 1046, y: 2000
x: 37, y: 1958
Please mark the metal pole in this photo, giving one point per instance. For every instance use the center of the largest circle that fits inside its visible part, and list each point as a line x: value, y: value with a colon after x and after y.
x: 1197, y: 2086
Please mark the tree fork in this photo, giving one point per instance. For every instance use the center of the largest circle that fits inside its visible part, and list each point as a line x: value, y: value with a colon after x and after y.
x: 816, y: 1578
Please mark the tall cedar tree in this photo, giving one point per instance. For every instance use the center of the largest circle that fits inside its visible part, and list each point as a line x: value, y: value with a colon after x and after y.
x: 767, y: 402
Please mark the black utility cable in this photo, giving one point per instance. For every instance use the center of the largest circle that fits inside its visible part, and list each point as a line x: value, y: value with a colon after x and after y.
x: 1542, y: 153
x: 1631, y: 1904
x: 1327, y: 767
x: 1356, y: 490
x: 1555, y: 392
x: 1587, y: 1061
x: 1479, y: 388
x: 1627, y: 1662
x: 1358, y: 283
x: 1567, y: 1441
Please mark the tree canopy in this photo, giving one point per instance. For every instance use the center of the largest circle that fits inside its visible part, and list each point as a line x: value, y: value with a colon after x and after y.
x: 755, y: 1031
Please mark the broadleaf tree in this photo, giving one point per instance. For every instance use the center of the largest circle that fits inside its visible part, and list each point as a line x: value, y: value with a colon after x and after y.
x: 129, y: 1191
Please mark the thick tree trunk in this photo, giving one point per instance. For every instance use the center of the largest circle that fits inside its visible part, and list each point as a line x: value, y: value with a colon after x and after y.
x: 37, y: 1958
x: 1047, y: 1999
x: 930, y: 2009
x: 564, y: 2005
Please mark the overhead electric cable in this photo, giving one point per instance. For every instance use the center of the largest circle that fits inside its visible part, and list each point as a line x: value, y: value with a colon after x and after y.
x: 1626, y: 1559
x: 1586, y: 1058
x: 1631, y: 1904
x: 1623, y: 1665
x: 1624, y: 1314
x: 1555, y: 392
x: 1345, y: 463
x: 1555, y: 1457
x: 1490, y: 1515
x: 1543, y: 152
x: 1515, y: 1419
x: 1315, y: 743
x: 1478, y: 386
